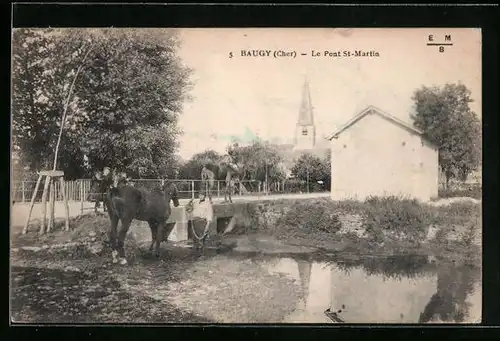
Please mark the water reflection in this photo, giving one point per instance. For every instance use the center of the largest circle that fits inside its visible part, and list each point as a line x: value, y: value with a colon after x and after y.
x: 396, y: 289
x: 455, y: 284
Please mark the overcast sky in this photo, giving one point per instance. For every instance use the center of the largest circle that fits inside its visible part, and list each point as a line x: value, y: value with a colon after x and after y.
x: 245, y: 97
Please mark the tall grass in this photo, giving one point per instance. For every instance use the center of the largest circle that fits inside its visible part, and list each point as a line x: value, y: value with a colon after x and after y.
x: 311, y: 217
x: 396, y: 220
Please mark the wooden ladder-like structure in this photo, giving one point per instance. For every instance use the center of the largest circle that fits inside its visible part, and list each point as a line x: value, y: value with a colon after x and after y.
x: 50, y: 179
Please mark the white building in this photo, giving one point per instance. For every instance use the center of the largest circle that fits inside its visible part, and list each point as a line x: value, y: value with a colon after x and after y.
x: 376, y: 154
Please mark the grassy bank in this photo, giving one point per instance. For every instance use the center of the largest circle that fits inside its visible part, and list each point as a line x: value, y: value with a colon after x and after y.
x: 388, y: 225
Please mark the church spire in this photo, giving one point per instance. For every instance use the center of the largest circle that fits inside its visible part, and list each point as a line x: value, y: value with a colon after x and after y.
x: 306, y: 111
x: 305, y: 269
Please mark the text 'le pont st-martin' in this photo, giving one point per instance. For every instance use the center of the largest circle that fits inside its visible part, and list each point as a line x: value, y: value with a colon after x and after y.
x: 340, y: 53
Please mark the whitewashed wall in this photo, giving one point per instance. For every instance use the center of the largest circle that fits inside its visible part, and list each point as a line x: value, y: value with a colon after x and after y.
x: 377, y: 157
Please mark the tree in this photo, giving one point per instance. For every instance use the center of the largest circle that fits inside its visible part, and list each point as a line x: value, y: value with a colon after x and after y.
x: 257, y: 160
x: 192, y: 168
x: 444, y: 116
x: 309, y: 167
x: 124, y: 106
x: 37, y: 98
x: 327, y: 169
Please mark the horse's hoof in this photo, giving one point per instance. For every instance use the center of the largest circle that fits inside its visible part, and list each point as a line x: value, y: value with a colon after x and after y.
x: 114, y: 254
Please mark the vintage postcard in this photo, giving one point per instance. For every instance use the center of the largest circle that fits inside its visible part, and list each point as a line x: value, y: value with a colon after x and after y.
x: 271, y: 175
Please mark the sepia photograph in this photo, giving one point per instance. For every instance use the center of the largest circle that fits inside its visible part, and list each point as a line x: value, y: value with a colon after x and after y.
x: 246, y: 175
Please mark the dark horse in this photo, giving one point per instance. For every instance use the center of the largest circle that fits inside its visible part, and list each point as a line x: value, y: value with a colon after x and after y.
x: 126, y: 203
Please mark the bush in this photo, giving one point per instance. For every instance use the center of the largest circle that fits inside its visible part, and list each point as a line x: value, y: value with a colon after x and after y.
x: 395, y: 219
x: 458, y: 213
x: 471, y: 191
x: 311, y: 217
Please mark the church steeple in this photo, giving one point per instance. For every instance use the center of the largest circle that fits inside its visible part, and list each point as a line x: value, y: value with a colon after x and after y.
x: 305, y: 269
x: 305, y: 132
x: 306, y: 117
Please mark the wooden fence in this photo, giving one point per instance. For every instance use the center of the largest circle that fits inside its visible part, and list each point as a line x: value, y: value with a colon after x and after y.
x: 78, y: 190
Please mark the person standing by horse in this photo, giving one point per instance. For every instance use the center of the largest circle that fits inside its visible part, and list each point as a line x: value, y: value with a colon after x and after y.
x: 207, y: 183
x: 99, y: 186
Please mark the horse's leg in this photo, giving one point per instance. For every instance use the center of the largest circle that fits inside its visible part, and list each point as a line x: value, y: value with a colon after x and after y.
x: 162, y: 234
x: 113, y: 234
x: 153, y: 225
x: 164, y: 230
x: 159, y: 238
x: 121, y: 238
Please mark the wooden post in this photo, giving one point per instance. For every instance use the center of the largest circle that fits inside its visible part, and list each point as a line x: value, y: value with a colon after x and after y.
x: 218, y: 189
x: 33, y: 197
x: 56, y: 192
x: 44, y: 204
x: 52, y: 197
x: 85, y: 190
x: 81, y: 200
x: 23, y: 192
x: 192, y: 189
x: 65, y: 202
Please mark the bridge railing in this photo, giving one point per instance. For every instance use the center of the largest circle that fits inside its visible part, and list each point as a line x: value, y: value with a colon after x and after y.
x: 78, y: 190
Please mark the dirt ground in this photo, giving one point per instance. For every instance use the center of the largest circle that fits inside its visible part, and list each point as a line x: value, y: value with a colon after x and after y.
x: 68, y: 277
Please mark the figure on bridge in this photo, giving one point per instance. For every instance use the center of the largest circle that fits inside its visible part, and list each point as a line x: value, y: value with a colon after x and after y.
x: 207, y: 184
x: 230, y: 169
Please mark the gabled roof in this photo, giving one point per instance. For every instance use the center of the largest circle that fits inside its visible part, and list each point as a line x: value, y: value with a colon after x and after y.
x: 373, y: 110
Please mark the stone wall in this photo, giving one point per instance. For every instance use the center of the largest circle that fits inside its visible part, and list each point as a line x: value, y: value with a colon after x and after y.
x: 265, y: 215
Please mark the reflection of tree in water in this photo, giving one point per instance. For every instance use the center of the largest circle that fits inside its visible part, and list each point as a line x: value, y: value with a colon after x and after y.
x: 455, y: 283
x: 409, y: 266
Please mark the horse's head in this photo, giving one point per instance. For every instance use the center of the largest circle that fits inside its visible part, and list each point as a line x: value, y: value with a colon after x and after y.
x: 171, y: 193
x: 120, y: 179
